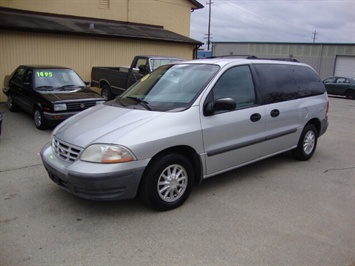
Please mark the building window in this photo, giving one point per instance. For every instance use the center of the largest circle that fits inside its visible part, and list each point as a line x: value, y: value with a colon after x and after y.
x: 104, y: 4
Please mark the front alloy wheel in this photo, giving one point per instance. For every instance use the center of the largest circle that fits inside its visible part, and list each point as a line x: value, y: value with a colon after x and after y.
x: 172, y: 183
x: 167, y: 182
x: 40, y: 121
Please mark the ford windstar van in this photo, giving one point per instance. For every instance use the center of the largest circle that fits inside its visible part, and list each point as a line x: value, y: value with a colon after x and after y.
x: 185, y: 122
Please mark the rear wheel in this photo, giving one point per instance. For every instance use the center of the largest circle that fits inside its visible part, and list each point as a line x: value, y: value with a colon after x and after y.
x: 167, y: 182
x: 40, y: 121
x: 307, y: 143
x: 350, y: 94
x: 107, y: 93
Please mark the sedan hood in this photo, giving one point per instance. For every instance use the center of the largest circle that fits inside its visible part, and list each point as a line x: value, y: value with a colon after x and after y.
x: 74, y: 94
x: 102, y: 124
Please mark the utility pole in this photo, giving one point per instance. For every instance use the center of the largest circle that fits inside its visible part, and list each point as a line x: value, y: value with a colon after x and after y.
x: 209, y: 26
x: 315, y: 33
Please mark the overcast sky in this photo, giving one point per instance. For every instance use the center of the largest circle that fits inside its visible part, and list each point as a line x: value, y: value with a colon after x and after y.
x: 275, y: 21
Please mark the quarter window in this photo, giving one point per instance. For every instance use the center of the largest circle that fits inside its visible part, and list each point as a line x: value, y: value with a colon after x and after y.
x: 236, y: 83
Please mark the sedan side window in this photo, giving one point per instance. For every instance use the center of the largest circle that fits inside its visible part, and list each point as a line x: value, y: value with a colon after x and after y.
x: 27, y: 82
x: 236, y: 83
x: 19, y: 75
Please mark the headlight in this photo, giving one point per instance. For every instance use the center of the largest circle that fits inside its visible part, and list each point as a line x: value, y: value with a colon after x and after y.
x: 102, y: 153
x: 99, y: 102
x: 60, y: 107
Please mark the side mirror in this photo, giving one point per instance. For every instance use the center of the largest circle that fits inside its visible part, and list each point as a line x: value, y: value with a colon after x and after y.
x: 222, y: 104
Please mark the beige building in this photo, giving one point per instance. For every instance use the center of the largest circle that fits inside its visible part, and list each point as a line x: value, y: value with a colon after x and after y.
x: 85, y: 33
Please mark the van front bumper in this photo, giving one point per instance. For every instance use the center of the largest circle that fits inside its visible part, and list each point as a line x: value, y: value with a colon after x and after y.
x: 92, y: 180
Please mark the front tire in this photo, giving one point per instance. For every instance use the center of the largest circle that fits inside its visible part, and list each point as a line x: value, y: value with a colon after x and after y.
x: 307, y: 143
x: 167, y: 182
x: 11, y: 104
x: 39, y: 120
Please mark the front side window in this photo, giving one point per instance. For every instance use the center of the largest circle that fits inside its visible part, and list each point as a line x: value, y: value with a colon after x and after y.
x: 155, y: 63
x: 142, y: 65
x: 236, y: 83
x: 19, y: 75
x: 170, y: 87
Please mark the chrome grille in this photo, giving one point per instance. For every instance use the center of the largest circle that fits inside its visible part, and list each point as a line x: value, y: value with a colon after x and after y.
x: 78, y: 106
x: 65, y: 151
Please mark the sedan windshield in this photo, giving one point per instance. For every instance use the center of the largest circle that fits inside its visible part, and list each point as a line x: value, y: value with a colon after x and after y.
x: 57, y: 79
x: 170, y: 87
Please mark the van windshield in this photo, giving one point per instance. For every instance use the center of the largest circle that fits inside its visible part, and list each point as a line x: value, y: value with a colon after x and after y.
x: 170, y: 87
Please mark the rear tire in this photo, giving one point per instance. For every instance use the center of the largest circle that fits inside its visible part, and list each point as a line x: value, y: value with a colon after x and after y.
x: 107, y: 93
x: 349, y: 94
x: 307, y: 143
x: 40, y: 121
x: 167, y: 182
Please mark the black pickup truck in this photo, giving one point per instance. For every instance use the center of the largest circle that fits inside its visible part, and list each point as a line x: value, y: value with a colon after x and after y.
x: 114, y: 80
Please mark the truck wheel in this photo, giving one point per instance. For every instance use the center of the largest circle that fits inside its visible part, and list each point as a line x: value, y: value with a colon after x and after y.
x: 167, y: 182
x: 40, y: 121
x: 307, y: 143
x: 106, y: 93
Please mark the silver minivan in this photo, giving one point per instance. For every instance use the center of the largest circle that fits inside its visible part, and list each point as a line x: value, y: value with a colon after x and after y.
x: 185, y: 122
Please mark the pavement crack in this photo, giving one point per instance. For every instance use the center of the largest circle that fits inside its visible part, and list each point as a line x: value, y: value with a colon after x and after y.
x: 19, y: 168
x: 339, y: 169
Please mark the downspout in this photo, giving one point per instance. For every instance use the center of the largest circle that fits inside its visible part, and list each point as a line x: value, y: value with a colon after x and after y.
x: 127, y: 13
x: 194, y: 52
x: 320, y: 60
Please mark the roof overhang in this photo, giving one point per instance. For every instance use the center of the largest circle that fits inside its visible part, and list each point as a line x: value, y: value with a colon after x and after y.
x: 29, y: 21
x: 196, y: 5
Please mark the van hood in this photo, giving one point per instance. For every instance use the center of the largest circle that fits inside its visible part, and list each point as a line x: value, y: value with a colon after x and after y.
x: 102, y: 124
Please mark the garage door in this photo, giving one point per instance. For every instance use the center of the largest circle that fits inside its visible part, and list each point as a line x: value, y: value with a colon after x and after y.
x: 345, y: 66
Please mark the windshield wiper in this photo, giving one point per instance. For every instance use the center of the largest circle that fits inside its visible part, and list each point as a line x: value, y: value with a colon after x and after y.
x: 44, y: 87
x: 68, y: 85
x: 141, y: 102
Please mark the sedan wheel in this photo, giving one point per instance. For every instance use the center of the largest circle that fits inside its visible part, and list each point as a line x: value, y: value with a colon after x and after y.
x: 349, y: 94
x: 40, y: 121
x: 11, y: 104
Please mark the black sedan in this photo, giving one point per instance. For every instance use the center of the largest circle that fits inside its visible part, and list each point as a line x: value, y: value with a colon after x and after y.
x: 343, y: 86
x: 51, y: 94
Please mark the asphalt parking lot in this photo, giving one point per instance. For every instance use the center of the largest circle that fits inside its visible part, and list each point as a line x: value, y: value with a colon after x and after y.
x: 275, y: 212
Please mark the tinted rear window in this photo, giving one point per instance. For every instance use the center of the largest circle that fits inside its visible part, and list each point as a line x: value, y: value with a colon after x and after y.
x: 308, y: 81
x: 287, y: 82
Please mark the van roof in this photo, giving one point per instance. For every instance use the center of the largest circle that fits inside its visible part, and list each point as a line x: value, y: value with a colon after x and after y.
x: 222, y: 61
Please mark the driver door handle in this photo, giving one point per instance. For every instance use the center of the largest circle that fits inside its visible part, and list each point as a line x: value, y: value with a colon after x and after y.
x: 275, y: 113
x: 255, y: 117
